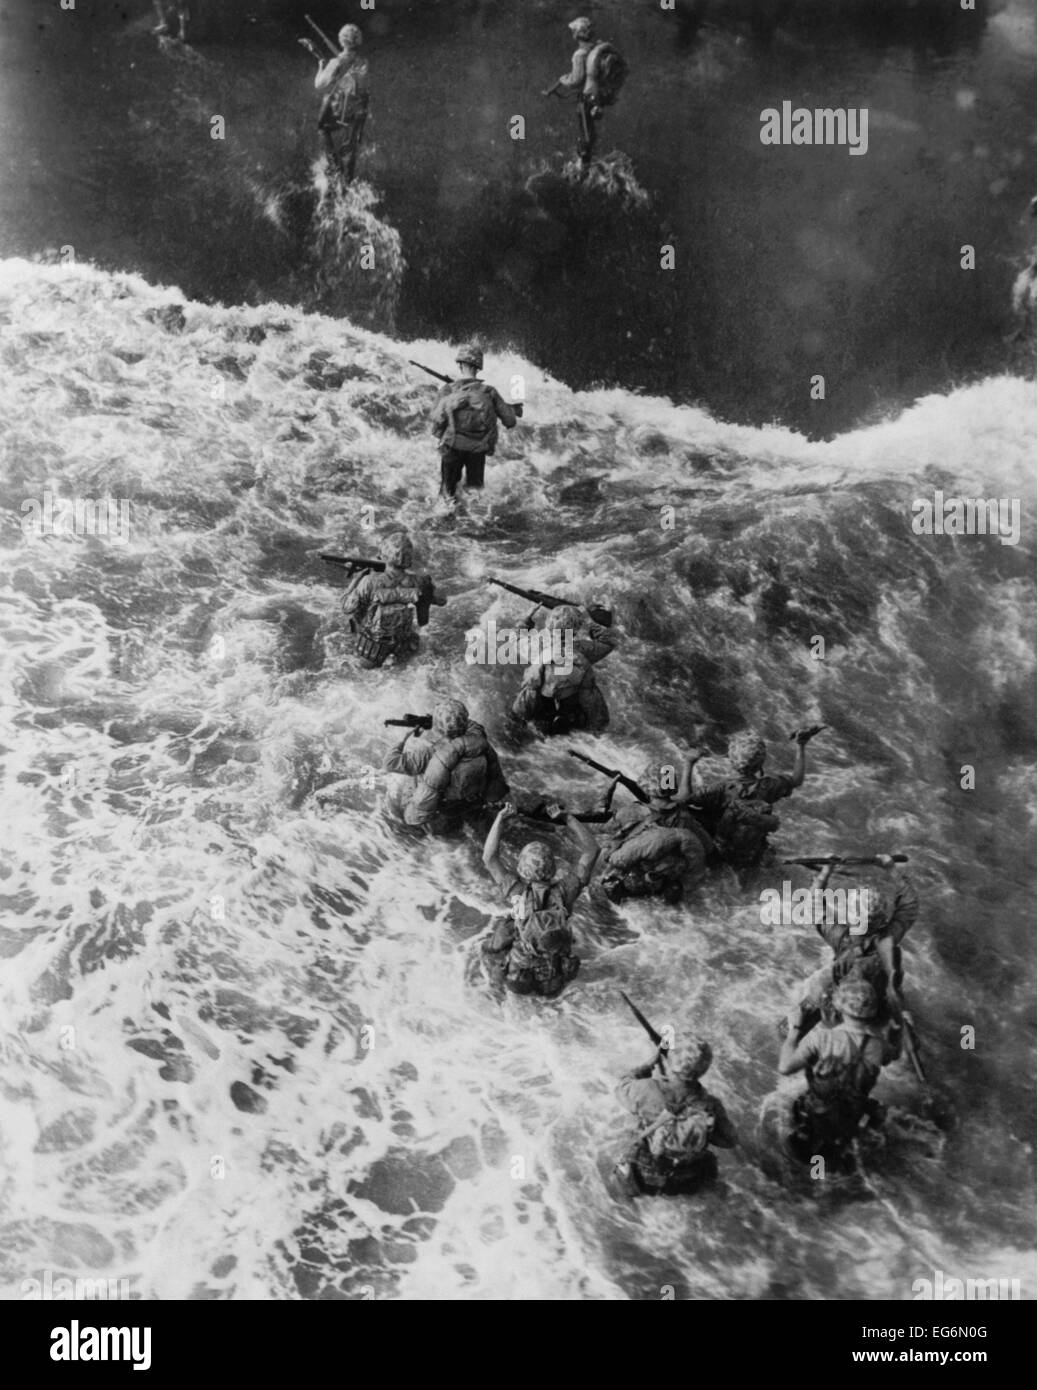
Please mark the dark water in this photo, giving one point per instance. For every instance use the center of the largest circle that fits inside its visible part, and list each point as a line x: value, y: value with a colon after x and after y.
x: 789, y: 262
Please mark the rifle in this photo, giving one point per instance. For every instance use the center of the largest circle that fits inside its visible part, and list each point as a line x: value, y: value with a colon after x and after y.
x: 911, y: 1046
x: 811, y: 732
x: 837, y: 859
x: 517, y: 406
x: 354, y: 565
x: 333, y: 48
x: 634, y: 788
x: 438, y: 375
x: 411, y: 721
x: 656, y: 1037
x: 602, y: 616
x: 352, y: 562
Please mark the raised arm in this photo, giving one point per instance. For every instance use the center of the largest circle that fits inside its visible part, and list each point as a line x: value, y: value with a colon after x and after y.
x: 329, y: 71
x: 792, y: 1057
x: 803, y: 737
x: 684, y: 791
x: 491, y: 849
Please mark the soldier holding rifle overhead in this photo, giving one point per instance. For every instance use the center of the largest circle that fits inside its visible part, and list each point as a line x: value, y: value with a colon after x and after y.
x: 342, y: 83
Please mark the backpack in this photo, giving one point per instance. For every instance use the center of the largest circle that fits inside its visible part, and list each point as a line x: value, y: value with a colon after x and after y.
x: 679, y: 1137
x: 609, y: 69
x: 747, y: 820
x: 539, y: 926
x: 469, y: 408
x: 840, y: 1088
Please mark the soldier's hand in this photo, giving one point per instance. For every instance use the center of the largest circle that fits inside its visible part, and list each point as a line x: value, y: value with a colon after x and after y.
x: 885, y: 860
x: 694, y: 755
x: 554, y: 809
x: 803, y: 736
x: 508, y: 811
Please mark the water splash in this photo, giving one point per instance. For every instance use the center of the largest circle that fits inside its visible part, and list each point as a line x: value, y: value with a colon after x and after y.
x: 240, y: 1057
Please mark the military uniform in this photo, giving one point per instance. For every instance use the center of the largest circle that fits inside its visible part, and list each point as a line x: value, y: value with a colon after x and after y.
x: 556, y: 700
x: 738, y: 815
x: 580, y: 82
x: 454, y: 775
x: 842, y: 1065
x: 531, y: 951
x: 679, y: 1121
x: 856, y: 954
x: 651, y: 850
x: 464, y: 419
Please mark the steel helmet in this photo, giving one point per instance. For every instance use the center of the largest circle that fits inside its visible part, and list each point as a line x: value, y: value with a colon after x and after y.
x: 350, y: 34
x: 566, y: 615
x: 746, y: 751
x: 397, y: 550
x: 471, y: 354
x: 581, y: 28
x: 536, y: 863
x: 856, y: 999
x: 690, y: 1058
x: 450, y: 717
x: 659, y: 779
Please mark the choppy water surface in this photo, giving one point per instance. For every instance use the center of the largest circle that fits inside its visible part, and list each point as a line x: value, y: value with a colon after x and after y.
x: 214, y: 1124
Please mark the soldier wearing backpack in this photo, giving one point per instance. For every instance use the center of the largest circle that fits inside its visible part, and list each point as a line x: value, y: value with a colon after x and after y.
x: 342, y: 84
x: 869, y: 952
x: 739, y: 813
x: 531, y: 952
x: 679, y: 1121
x: 382, y: 609
x: 595, y: 80
x: 842, y: 1064
x: 465, y: 419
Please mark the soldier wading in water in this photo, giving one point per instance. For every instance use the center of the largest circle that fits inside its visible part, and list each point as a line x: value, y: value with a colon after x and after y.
x: 531, y: 952
x: 342, y: 82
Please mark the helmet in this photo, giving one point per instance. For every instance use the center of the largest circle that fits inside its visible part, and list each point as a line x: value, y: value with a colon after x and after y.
x: 690, y: 1057
x: 746, y: 751
x: 450, y: 717
x: 536, y: 863
x: 581, y: 28
x: 470, y: 353
x: 856, y: 999
x: 565, y: 615
x: 350, y: 34
x: 659, y: 779
x: 397, y: 550
x: 880, y: 908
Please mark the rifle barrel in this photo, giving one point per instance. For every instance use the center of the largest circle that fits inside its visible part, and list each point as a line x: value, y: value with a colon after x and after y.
x: 321, y: 35
x: 655, y: 1036
x: 838, y: 859
x: 440, y: 376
